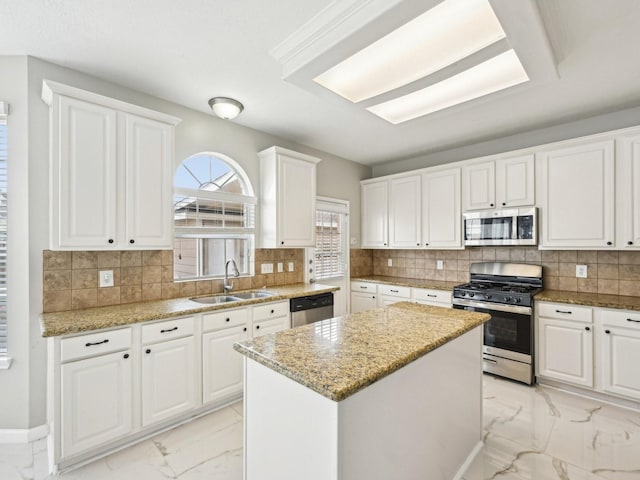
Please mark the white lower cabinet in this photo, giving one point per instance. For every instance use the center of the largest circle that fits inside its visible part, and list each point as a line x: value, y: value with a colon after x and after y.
x: 110, y: 386
x: 590, y: 347
x: 565, y: 351
x: 168, y: 379
x: 96, y: 401
x: 363, y: 296
x: 618, y: 336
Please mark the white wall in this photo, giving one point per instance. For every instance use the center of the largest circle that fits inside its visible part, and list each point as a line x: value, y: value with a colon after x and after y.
x: 596, y: 124
x: 14, y: 383
x: 21, y: 86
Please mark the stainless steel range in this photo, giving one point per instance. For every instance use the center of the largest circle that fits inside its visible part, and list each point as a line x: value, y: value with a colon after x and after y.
x: 505, y: 291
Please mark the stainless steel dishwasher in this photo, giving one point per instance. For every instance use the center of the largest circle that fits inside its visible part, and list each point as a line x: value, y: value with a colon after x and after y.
x: 312, y: 308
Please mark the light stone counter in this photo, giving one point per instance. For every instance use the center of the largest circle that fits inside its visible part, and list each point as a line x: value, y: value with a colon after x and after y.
x: 408, y: 282
x: 76, y: 321
x: 590, y: 299
x: 338, y: 357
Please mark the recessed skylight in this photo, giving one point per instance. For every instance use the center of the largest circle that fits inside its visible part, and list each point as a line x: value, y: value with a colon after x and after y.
x: 445, y: 34
x: 498, y: 73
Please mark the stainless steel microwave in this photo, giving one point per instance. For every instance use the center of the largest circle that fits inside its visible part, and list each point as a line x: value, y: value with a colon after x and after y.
x: 514, y: 226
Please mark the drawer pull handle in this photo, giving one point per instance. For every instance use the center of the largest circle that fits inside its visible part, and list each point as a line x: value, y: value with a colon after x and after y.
x: 272, y: 311
x: 632, y: 320
x: 431, y: 295
x: 169, y: 330
x: 568, y: 312
x: 395, y: 291
x: 89, y: 344
x: 489, y: 360
x: 607, y: 332
x: 362, y: 286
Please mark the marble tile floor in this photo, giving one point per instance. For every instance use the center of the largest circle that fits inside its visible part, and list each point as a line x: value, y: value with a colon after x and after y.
x: 530, y: 433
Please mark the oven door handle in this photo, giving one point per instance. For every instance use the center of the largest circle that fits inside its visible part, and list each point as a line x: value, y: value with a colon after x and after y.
x: 492, y: 306
x: 489, y: 360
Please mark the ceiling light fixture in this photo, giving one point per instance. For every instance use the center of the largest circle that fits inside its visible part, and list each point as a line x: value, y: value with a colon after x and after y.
x: 497, y: 73
x: 225, y: 107
x: 443, y: 35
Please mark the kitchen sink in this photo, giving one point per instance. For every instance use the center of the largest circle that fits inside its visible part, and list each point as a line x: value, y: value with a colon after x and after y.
x: 251, y: 295
x: 215, y: 299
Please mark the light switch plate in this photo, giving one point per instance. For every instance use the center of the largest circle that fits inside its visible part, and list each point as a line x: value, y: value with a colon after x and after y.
x: 280, y: 267
x: 291, y: 266
x: 106, y: 278
x: 581, y: 271
x: 266, y: 268
x: 439, y: 264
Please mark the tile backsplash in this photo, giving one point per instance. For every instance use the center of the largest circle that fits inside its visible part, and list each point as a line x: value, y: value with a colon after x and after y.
x: 608, y: 272
x: 71, y: 278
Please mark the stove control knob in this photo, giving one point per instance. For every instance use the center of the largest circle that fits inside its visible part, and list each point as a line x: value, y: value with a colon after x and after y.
x: 488, y: 296
x: 506, y: 299
x: 463, y: 294
x: 518, y: 300
x: 471, y: 294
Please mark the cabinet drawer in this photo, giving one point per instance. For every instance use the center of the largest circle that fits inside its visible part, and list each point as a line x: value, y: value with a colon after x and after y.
x: 167, y: 330
x: 395, y: 291
x: 427, y: 295
x: 93, y: 344
x: 224, y: 319
x: 364, y: 287
x: 565, y: 312
x: 270, y: 310
x: 622, y: 318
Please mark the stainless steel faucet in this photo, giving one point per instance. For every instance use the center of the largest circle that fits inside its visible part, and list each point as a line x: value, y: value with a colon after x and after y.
x: 228, y: 286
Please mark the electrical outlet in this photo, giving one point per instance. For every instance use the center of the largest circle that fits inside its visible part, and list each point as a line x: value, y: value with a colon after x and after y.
x: 581, y: 271
x: 439, y: 264
x: 389, y: 262
x: 280, y: 267
x: 266, y: 268
x: 291, y: 266
x: 106, y: 278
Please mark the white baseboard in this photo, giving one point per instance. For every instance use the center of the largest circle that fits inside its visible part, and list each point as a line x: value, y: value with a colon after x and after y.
x: 23, y: 435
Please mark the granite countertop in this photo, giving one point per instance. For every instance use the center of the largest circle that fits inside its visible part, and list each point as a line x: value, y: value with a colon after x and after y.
x: 408, y: 282
x: 340, y: 356
x: 590, y: 299
x: 76, y: 321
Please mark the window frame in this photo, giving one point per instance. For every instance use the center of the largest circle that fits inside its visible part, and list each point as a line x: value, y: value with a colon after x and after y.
x: 5, y: 360
x: 202, y: 233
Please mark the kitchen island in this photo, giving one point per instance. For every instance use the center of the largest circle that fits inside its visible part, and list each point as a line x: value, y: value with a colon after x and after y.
x: 393, y: 392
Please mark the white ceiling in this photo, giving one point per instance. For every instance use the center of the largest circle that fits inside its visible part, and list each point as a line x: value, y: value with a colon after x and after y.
x: 188, y: 51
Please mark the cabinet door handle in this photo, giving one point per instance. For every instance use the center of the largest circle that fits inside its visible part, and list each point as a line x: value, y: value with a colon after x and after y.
x: 491, y: 204
x: 169, y: 330
x: 426, y: 244
x: 89, y: 344
x: 632, y: 320
x: 148, y: 350
x: 132, y: 241
x: 417, y: 244
x: 227, y: 319
x: 125, y: 356
x: 272, y: 311
x: 588, y: 329
x: 629, y: 243
x: 504, y: 204
x: 609, y: 243
x: 282, y: 243
x: 110, y: 240
x: 244, y: 329
x: 568, y: 312
x: 607, y: 332
x: 257, y: 327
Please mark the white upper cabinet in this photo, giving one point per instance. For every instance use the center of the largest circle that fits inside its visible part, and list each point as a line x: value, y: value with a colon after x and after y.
x: 576, y: 196
x: 375, y: 213
x: 628, y: 193
x: 441, y: 215
x: 515, y: 182
x: 288, y: 198
x: 503, y: 183
x: 404, y: 212
x: 479, y: 186
x: 111, y: 172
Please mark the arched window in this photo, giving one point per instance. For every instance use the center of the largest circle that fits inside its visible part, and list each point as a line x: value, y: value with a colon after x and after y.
x: 214, y: 212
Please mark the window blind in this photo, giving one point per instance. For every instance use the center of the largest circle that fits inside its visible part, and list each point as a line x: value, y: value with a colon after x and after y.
x: 329, y: 255
x: 3, y: 228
